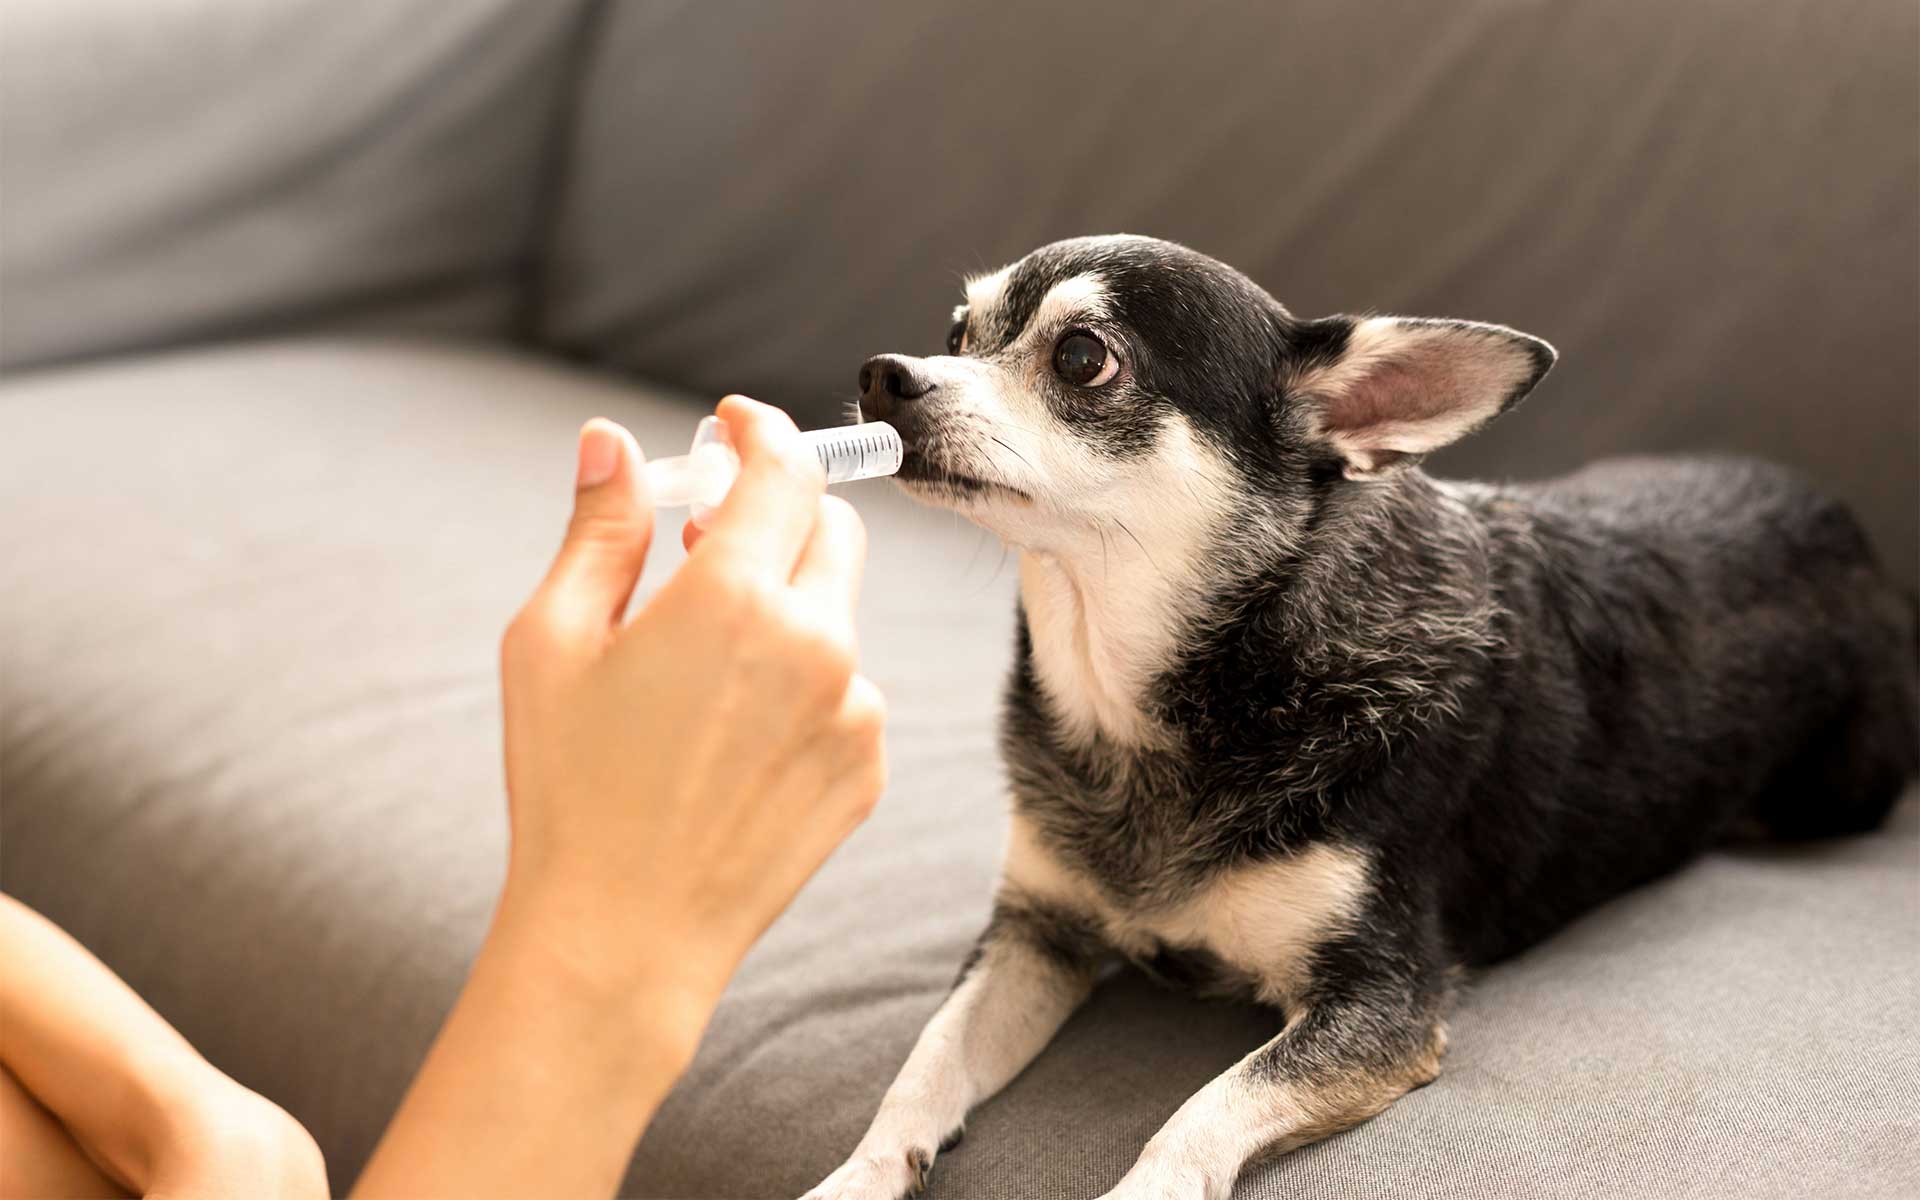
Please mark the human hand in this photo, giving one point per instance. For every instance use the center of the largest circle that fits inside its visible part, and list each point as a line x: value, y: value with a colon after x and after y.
x: 674, y: 779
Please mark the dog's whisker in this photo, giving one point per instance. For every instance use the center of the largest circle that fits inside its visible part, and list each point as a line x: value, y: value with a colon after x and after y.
x: 1010, y: 450
x: 973, y: 557
x: 1136, y: 540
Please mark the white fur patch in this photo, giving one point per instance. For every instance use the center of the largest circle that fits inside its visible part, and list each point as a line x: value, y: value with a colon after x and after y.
x: 1248, y: 1112
x: 1262, y: 919
x: 1069, y: 302
x: 1112, y: 549
x: 1104, y: 600
x: 984, y: 291
x: 1199, y: 1152
x: 992, y: 1025
x: 1204, y: 1167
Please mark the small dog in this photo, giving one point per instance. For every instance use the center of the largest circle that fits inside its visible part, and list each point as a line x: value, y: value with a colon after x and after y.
x: 1291, y: 720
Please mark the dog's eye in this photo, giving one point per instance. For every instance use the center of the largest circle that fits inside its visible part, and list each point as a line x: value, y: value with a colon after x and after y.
x: 1082, y: 360
x: 957, y: 338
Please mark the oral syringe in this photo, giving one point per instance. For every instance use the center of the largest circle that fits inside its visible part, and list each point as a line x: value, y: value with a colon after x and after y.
x: 701, y: 477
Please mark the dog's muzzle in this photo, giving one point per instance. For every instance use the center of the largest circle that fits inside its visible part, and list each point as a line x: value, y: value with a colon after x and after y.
x: 889, y: 385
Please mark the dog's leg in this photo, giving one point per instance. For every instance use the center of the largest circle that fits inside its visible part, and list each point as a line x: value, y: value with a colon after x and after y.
x: 1032, y: 967
x: 1334, y: 1066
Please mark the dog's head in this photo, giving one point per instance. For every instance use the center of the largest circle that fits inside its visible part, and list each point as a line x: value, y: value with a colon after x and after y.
x: 1103, y: 380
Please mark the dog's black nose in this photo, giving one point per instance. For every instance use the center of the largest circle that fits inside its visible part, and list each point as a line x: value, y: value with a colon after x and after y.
x: 887, y: 381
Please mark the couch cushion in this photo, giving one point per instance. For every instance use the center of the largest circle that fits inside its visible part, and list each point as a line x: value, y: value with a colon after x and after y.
x: 213, y: 167
x: 248, y: 731
x: 1711, y: 210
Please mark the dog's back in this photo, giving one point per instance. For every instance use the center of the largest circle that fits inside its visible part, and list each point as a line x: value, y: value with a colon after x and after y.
x: 1781, y: 607
x: 1698, y: 648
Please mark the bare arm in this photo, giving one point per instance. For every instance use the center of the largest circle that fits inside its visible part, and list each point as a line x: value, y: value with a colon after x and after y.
x: 539, y: 1083
x: 672, y: 781
x: 128, y: 1092
x: 40, y: 1158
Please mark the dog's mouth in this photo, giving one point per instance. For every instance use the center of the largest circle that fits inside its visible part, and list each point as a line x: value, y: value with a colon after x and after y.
x: 924, y: 472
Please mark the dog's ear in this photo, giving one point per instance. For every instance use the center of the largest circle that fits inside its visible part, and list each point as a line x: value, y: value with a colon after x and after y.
x: 1383, y: 391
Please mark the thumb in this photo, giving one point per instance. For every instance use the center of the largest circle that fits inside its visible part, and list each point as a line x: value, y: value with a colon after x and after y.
x: 592, y: 578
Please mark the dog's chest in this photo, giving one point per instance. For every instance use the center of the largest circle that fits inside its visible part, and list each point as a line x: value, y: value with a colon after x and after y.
x: 1256, y: 922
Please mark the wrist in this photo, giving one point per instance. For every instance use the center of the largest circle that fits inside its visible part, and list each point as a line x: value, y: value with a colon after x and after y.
x: 647, y: 1005
x: 546, y: 1072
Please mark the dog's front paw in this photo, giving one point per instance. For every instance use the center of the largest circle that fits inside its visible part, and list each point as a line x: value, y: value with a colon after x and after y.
x: 877, y: 1176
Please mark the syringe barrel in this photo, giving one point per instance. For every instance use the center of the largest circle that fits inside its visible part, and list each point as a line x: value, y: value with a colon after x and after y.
x: 851, y: 452
x: 702, y: 477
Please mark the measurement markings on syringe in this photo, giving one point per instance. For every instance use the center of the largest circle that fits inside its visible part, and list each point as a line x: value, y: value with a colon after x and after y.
x: 854, y: 457
x: 701, y: 477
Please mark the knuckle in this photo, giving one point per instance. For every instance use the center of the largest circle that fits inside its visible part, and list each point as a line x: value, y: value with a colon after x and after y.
x: 513, y: 641
x: 867, y: 718
x: 528, y: 636
x: 826, y: 662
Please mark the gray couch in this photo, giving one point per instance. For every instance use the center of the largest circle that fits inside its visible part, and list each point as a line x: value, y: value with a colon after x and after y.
x: 301, y: 304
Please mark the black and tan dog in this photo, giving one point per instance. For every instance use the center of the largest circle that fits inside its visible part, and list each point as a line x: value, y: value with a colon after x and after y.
x: 1290, y: 719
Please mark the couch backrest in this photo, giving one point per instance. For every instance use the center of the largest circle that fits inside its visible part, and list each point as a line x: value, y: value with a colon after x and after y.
x: 192, y: 168
x: 1710, y: 207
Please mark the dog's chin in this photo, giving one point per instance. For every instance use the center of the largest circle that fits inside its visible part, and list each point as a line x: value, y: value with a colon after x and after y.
x: 934, y: 481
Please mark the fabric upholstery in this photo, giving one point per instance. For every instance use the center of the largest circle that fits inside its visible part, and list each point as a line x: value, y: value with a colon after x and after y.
x: 1710, y: 208
x: 249, y: 753
x: 210, y: 167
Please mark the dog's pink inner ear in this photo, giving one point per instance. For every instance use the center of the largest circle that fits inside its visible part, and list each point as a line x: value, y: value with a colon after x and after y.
x: 1404, y: 388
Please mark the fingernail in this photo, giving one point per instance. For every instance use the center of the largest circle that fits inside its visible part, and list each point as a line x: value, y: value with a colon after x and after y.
x: 599, y: 454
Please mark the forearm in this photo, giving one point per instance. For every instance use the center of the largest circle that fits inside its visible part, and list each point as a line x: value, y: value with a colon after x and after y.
x: 123, y: 1082
x: 542, y: 1079
x: 40, y: 1157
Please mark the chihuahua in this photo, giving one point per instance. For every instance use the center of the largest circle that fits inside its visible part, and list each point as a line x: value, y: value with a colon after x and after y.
x: 1291, y: 720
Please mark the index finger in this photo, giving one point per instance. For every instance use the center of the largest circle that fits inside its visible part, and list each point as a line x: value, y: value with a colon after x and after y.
x: 831, y: 565
x: 767, y: 517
